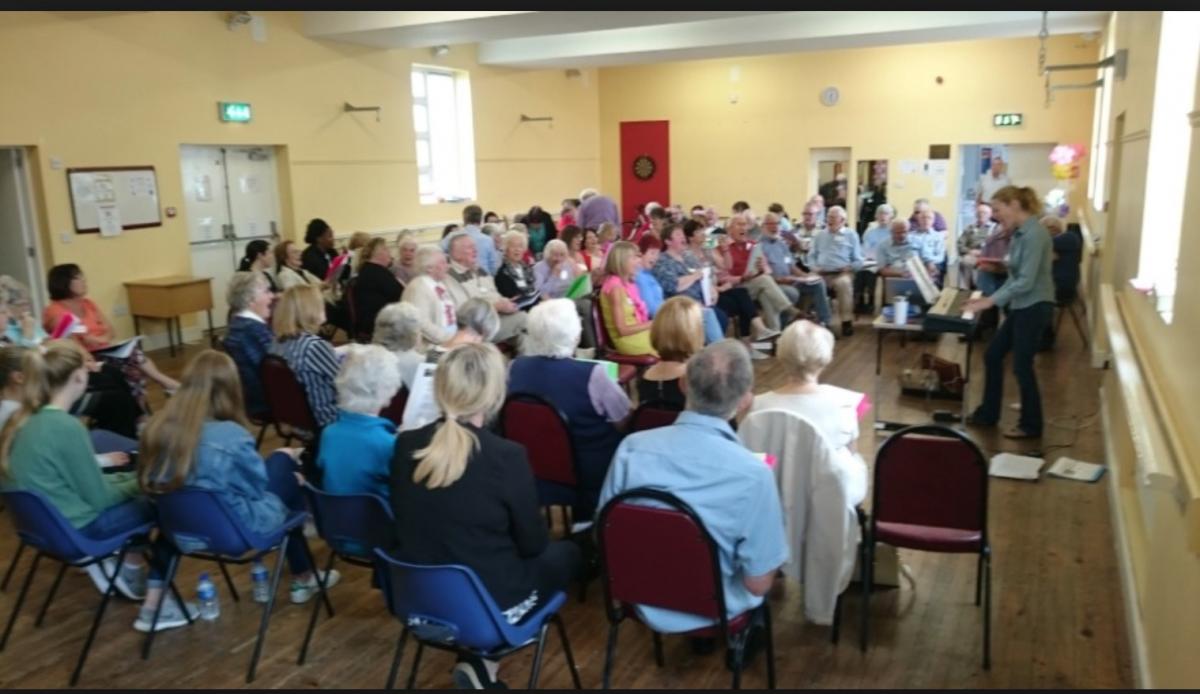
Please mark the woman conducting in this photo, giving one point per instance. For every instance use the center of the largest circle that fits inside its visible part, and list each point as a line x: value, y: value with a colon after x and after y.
x: 1028, y: 294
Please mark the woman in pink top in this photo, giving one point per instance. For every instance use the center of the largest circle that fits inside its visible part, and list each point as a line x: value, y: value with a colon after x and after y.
x: 625, y: 316
x: 70, y: 305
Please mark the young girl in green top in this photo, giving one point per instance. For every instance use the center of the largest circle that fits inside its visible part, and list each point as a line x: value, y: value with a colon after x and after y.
x: 46, y: 450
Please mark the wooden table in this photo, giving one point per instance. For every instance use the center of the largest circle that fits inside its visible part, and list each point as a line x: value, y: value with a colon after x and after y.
x: 168, y: 298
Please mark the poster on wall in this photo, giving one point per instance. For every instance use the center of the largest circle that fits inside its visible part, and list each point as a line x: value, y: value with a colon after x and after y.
x: 109, y: 217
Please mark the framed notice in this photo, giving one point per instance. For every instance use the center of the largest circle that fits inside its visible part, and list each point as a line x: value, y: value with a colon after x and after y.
x: 111, y: 199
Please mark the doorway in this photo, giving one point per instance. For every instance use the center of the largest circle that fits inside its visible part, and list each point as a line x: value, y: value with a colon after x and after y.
x: 985, y: 168
x: 20, y: 254
x: 829, y: 175
x: 231, y: 197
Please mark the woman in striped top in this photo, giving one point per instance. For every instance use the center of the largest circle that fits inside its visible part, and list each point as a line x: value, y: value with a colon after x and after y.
x: 298, y: 315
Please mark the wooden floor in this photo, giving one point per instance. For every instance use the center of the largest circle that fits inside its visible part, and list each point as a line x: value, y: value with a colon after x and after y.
x: 1057, y: 620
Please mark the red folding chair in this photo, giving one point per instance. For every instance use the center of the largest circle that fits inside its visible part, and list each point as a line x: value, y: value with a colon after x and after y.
x: 543, y: 430
x: 664, y: 557
x: 653, y: 414
x: 395, y: 409
x: 286, y: 399
x: 930, y: 493
x: 604, y: 348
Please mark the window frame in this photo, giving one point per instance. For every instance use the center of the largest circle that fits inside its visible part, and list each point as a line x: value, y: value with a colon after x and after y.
x: 465, y: 184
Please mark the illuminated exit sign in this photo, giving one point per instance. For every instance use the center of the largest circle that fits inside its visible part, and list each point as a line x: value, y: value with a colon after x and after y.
x: 1007, y: 120
x: 234, y: 111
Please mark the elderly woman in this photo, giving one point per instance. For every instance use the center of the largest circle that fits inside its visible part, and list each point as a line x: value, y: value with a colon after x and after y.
x: 298, y: 315
x: 356, y: 450
x: 289, y: 270
x: 374, y: 285
x: 248, y: 337
x: 398, y: 330
x: 803, y: 351
x: 428, y: 293
x: 515, y: 279
x: 625, y: 315
x: 477, y: 321
x: 676, y: 333
x: 405, y: 265
x: 593, y: 403
x: 554, y: 274
x: 652, y: 292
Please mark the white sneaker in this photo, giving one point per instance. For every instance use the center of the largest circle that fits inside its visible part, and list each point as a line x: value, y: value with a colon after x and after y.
x: 756, y: 355
x: 171, y: 616
x: 302, y: 592
x: 766, y: 335
x: 99, y: 578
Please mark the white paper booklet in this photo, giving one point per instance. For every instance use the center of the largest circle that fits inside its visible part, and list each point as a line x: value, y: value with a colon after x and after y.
x: 1017, y: 467
x: 121, y: 350
x: 1069, y: 468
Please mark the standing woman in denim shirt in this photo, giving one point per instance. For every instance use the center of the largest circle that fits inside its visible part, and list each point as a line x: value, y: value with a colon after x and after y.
x: 199, y: 439
x: 1028, y: 293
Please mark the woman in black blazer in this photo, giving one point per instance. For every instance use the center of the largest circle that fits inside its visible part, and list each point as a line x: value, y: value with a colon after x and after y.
x: 463, y: 495
x: 375, y: 286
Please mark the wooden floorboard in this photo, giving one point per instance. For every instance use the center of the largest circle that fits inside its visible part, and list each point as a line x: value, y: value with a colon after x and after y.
x: 1057, y: 614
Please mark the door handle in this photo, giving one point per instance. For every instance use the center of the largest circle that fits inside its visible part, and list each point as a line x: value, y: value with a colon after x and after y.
x: 274, y: 230
x: 227, y: 232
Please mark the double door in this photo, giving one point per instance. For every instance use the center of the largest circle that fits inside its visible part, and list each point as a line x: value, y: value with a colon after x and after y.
x: 232, y: 198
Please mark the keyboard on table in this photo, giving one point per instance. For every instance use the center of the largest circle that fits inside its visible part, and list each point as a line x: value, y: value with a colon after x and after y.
x: 947, y: 315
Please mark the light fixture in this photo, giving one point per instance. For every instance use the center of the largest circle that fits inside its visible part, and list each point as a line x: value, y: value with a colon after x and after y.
x: 439, y: 51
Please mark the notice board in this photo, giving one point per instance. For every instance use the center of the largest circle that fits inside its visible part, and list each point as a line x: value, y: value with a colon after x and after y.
x: 110, y: 199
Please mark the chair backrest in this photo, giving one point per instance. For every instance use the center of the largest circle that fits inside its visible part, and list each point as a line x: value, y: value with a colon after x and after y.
x: 394, y: 411
x: 352, y: 524
x: 659, y: 556
x: 39, y: 524
x: 285, y: 395
x: 603, y: 342
x: 444, y: 603
x: 197, y: 520
x: 543, y: 430
x: 653, y: 414
x: 931, y: 475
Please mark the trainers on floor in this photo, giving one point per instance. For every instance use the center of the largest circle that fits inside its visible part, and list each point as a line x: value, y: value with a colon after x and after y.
x: 131, y: 582
x: 302, y: 592
x: 471, y: 673
x: 171, y: 616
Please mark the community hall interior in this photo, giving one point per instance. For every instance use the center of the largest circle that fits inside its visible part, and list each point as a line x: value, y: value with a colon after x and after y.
x: 562, y: 291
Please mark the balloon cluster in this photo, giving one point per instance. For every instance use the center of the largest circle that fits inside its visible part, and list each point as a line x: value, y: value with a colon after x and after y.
x: 1064, y: 160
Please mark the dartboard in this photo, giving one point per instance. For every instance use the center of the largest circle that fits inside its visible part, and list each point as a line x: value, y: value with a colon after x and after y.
x: 644, y: 167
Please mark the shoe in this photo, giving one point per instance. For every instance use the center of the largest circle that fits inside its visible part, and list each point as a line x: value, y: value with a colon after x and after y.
x: 766, y: 334
x: 1019, y: 433
x: 977, y: 421
x: 847, y: 328
x: 303, y: 592
x: 471, y: 673
x: 1016, y: 406
x: 130, y: 582
x: 756, y: 355
x: 171, y: 616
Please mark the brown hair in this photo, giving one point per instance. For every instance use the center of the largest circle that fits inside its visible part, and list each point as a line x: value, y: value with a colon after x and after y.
x: 1024, y: 196
x: 677, y: 331
x: 210, y: 389
x: 301, y: 309
x: 281, y: 253
x: 45, y: 374
x: 368, y: 250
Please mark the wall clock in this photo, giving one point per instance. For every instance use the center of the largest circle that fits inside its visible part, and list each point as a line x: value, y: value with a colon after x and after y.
x: 829, y: 96
x: 644, y: 167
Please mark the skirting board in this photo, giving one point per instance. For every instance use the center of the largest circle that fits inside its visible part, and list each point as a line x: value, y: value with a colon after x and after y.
x: 1133, y: 617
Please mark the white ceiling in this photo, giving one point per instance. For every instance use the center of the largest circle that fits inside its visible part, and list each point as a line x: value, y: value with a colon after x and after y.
x: 596, y: 39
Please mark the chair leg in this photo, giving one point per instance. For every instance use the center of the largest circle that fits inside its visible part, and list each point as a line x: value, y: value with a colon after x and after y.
x: 739, y: 653
x: 770, y: 644
x: 987, y: 611
x: 261, y: 434
x: 12, y: 619
x: 399, y: 655
x: 112, y: 586
x: 537, y: 655
x: 312, y: 620
x: 169, y: 579
x: 312, y: 561
x: 979, y: 579
x: 1075, y: 318
x: 229, y: 582
x: 868, y: 578
x: 62, y: 569
x: 412, y: 674
x: 610, y: 650
x: 658, y: 650
x: 566, y: 646
x: 266, y: 615
x: 837, y: 620
x: 12, y: 566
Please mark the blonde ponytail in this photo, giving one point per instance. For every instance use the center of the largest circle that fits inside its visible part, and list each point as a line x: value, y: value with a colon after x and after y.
x: 469, y: 381
x: 44, y: 376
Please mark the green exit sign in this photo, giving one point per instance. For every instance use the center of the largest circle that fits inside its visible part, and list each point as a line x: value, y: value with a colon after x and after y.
x: 1007, y: 120
x: 234, y: 111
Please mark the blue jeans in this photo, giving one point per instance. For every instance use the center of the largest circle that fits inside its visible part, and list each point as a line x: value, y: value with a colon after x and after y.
x: 1021, y: 333
x: 281, y: 481
x: 121, y: 518
x: 712, y: 326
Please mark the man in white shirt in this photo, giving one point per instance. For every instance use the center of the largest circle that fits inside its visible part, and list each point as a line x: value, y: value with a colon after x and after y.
x: 467, y: 280
x: 993, y: 179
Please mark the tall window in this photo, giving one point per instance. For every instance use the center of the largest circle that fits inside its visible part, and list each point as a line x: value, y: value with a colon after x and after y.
x: 1097, y: 183
x: 1170, y: 144
x: 444, y: 135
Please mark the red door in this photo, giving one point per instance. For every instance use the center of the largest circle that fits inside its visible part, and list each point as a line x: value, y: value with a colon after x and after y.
x: 645, y: 165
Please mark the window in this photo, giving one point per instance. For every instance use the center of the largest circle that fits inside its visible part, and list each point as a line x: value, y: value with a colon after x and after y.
x: 1097, y: 183
x: 444, y: 135
x: 1170, y: 144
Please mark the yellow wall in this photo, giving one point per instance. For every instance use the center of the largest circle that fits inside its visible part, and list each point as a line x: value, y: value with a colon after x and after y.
x: 890, y: 108
x: 1161, y: 542
x: 124, y: 88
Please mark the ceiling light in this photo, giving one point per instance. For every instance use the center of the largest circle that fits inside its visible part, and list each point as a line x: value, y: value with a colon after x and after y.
x: 439, y: 51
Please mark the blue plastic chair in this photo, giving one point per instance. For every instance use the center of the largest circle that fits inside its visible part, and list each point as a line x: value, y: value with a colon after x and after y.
x: 447, y: 607
x: 353, y: 525
x: 201, y: 525
x: 40, y: 526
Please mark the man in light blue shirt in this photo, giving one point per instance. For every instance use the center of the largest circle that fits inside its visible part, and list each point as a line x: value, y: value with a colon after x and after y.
x: 489, y: 257
x: 893, y: 253
x: 700, y: 460
x: 794, y: 282
x: 929, y: 242
x: 836, y: 254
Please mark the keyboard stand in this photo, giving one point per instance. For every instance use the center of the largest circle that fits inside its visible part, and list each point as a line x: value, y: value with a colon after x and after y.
x: 883, y: 328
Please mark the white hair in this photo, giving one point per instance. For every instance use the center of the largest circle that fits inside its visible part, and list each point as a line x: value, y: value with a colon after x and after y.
x: 552, y: 330
x: 554, y: 245
x: 836, y: 208
x: 805, y: 349
x: 398, y: 327
x: 427, y: 255
x: 587, y: 193
x: 492, y: 229
x: 480, y: 317
x: 368, y: 379
x: 885, y: 208
x: 511, y: 237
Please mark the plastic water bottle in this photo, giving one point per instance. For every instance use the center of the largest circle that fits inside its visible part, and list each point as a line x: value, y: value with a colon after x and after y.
x: 206, y: 594
x: 260, y: 580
